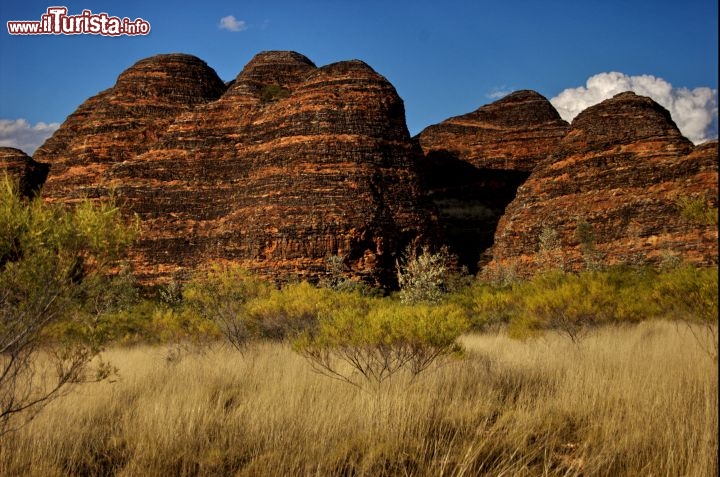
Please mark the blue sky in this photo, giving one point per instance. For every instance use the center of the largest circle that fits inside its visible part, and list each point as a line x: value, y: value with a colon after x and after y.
x: 445, y: 58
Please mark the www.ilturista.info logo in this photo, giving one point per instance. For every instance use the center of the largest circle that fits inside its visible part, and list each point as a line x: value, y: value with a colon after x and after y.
x: 57, y: 22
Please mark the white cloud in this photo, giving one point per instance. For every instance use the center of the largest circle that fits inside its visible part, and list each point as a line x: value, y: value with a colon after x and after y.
x: 22, y: 135
x: 498, y: 93
x: 694, y: 111
x: 231, y: 23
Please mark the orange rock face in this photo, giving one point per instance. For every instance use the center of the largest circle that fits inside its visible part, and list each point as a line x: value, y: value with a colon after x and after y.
x: 123, y: 121
x: 289, y: 165
x: 612, y: 192
x: 514, y: 133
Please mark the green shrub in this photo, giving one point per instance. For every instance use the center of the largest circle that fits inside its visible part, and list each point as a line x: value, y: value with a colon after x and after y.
x: 565, y: 302
x: 585, y: 235
x: 575, y: 303
x: 688, y: 293
x: 220, y: 294
x: 273, y: 92
x: 56, y: 292
x: 244, y: 308
x: 369, y: 340
x: 493, y: 305
x: 173, y: 325
x: 697, y: 210
x: 294, y: 308
x: 485, y: 304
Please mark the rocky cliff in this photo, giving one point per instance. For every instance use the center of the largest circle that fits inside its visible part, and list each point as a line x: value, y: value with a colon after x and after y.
x: 615, y: 189
x: 474, y: 164
x: 290, y: 164
x: 29, y: 174
x: 123, y: 121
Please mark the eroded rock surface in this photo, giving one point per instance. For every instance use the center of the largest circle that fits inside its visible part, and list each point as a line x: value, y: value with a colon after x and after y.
x: 123, y: 121
x: 514, y: 133
x: 289, y: 165
x: 611, y: 192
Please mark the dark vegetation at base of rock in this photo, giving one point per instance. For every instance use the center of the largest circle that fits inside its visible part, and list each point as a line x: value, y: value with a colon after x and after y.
x: 289, y: 164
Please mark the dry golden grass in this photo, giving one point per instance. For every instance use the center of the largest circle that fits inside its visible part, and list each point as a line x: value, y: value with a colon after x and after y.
x: 625, y: 402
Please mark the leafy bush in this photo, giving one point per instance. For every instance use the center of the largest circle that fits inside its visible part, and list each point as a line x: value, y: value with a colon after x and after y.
x: 245, y: 308
x: 369, y: 340
x: 550, y: 252
x: 697, y: 210
x: 690, y: 294
x: 568, y: 303
x: 425, y: 277
x: 273, y: 92
x: 220, y: 294
x: 287, y: 312
x: 585, y: 235
x: 492, y: 305
x: 500, y: 274
x: 573, y: 303
x: 336, y: 278
x: 55, y: 294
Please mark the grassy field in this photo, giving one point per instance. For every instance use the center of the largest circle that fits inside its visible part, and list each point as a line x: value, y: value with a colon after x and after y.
x: 625, y: 401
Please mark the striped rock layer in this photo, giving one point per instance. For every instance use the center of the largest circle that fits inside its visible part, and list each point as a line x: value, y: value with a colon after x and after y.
x: 283, y: 167
x: 123, y: 121
x: 474, y: 164
x: 612, y: 192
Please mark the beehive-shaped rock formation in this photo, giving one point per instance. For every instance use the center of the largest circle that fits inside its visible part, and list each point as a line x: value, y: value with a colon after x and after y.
x: 474, y: 164
x: 22, y: 169
x: 613, y: 192
x: 123, y: 121
x: 289, y: 165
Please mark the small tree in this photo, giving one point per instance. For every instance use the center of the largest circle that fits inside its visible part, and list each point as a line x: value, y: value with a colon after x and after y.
x: 567, y: 303
x: 550, y: 249
x: 585, y: 235
x: 425, y: 277
x: 54, y: 292
x: 291, y: 310
x: 221, y: 294
x: 690, y: 294
x: 365, y: 341
x: 698, y: 209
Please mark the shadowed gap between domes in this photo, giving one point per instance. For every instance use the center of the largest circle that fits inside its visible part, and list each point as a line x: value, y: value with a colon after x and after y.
x: 470, y: 202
